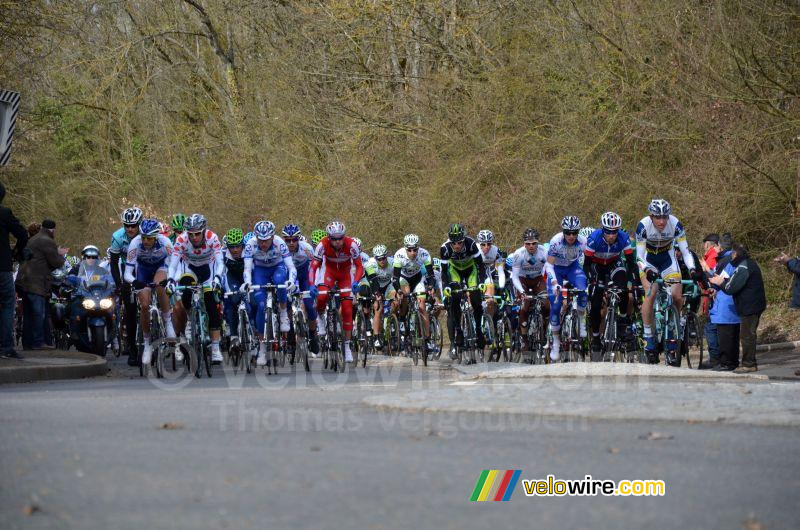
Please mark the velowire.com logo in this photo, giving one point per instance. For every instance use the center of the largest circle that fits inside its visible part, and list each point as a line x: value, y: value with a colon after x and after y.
x: 495, y: 485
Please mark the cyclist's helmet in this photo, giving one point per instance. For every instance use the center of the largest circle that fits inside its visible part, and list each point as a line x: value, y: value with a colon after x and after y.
x: 264, y: 230
x: 150, y: 228
x: 234, y: 237
x: 317, y: 235
x: 358, y: 242
x: 291, y: 230
x: 90, y: 251
x: 177, y: 222
x: 195, y: 223
x: 437, y: 264
x: 659, y: 208
x: 570, y: 223
x: 485, y: 236
x: 610, y: 221
x: 73, y: 260
x: 530, y: 234
x: 586, y: 231
x: 335, y: 229
x: 131, y: 216
x: 510, y: 262
x: 411, y: 241
x: 456, y: 233
x: 163, y: 228
x: 379, y: 251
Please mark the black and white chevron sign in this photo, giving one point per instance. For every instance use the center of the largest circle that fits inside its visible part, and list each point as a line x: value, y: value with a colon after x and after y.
x: 9, y: 107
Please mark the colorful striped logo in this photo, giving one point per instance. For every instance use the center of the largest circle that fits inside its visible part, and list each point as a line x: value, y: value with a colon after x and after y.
x: 495, y: 485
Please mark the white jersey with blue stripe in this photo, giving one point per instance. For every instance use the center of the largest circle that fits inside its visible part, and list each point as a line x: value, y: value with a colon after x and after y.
x: 302, y: 257
x: 271, y: 257
x: 563, y: 253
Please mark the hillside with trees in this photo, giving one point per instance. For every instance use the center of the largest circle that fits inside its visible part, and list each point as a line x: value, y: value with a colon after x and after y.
x: 400, y: 116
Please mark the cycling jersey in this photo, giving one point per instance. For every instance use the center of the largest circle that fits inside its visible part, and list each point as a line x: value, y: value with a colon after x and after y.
x: 655, y: 250
x: 468, y: 256
x: 527, y: 265
x: 406, y: 267
x: 147, y: 261
x: 275, y: 255
x: 564, y: 253
x: 494, y: 261
x: 381, y: 275
x: 599, y: 251
x: 234, y: 271
x: 119, y: 243
x: 328, y: 258
x: 206, y: 260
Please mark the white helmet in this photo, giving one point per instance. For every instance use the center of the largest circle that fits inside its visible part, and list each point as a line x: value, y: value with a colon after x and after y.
x: 335, y: 229
x: 264, y: 230
x: 570, y: 222
x: 586, y: 231
x: 411, y: 241
x: 131, y: 216
x: 659, y: 207
x: 610, y: 221
x: 379, y: 251
x: 358, y: 242
x: 485, y: 236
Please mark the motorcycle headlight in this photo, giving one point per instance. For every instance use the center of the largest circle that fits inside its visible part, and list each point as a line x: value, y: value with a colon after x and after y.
x: 106, y: 303
x: 88, y: 303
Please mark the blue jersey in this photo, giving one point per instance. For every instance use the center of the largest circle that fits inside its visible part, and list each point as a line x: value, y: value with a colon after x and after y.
x: 599, y: 251
x: 119, y: 243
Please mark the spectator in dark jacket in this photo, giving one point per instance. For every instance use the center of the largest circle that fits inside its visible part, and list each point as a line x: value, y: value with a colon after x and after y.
x: 8, y: 296
x: 34, y: 279
x: 746, y: 285
x: 793, y: 266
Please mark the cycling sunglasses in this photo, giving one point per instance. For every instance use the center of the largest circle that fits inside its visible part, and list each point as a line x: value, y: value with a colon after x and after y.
x: 570, y: 232
x: 610, y: 231
x: 412, y: 248
x: 486, y: 244
x: 291, y: 239
x: 335, y: 238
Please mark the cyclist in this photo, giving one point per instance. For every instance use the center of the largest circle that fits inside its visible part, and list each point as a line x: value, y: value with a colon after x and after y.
x: 527, y: 275
x: 410, y: 263
x: 586, y: 231
x: 566, y: 248
x: 302, y: 253
x: 494, y: 261
x: 147, y: 263
x: 608, y: 259
x: 334, y: 258
x: 120, y: 240
x: 233, y: 280
x: 379, y: 272
x: 267, y: 260
x: 197, y: 260
x: 655, y: 255
x: 316, y: 236
x: 437, y: 276
x: 461, y: 263
x: 176, y: 223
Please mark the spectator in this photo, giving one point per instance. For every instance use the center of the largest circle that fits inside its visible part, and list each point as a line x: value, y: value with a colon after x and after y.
x: 722, y: 311
x: 726, y: 323
x: 746, y: 285
x: 33, y: 229
x: 34, y: 281
x: 793, y: 266
x: 710, y: 250
x: 8, y: 296
x: 721, y: 259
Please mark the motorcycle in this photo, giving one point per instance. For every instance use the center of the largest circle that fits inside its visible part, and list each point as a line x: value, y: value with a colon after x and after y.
x: 98, y: 303
x: 60, y: 298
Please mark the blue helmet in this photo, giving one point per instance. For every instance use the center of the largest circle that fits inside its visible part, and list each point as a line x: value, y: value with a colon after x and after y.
x: 247, y: 237
x: 264, y: 229
x: 291, y: 230
x: 150, y: 227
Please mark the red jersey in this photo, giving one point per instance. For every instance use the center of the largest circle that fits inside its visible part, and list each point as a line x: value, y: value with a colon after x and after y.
x: 339, y: 260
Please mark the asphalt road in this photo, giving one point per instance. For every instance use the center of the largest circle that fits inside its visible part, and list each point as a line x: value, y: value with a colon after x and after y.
x: 306, y: 452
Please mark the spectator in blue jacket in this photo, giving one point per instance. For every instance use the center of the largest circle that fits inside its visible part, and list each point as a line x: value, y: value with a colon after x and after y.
x: 793, y: 266
x: 724, y: 316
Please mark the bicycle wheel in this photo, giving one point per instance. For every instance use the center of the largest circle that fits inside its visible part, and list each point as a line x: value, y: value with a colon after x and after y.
x: 487, y: 327
x: 301, y: 340
x: 672, y: 336
x: 417, y: 338
x: 392, y: 332
x: 365, y: 345
x: 337, y: 342
x: 470, y: 336
x: 701, y: 338
x: 609, y: 352
x: 140, y: 349
x: 437, y: 337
